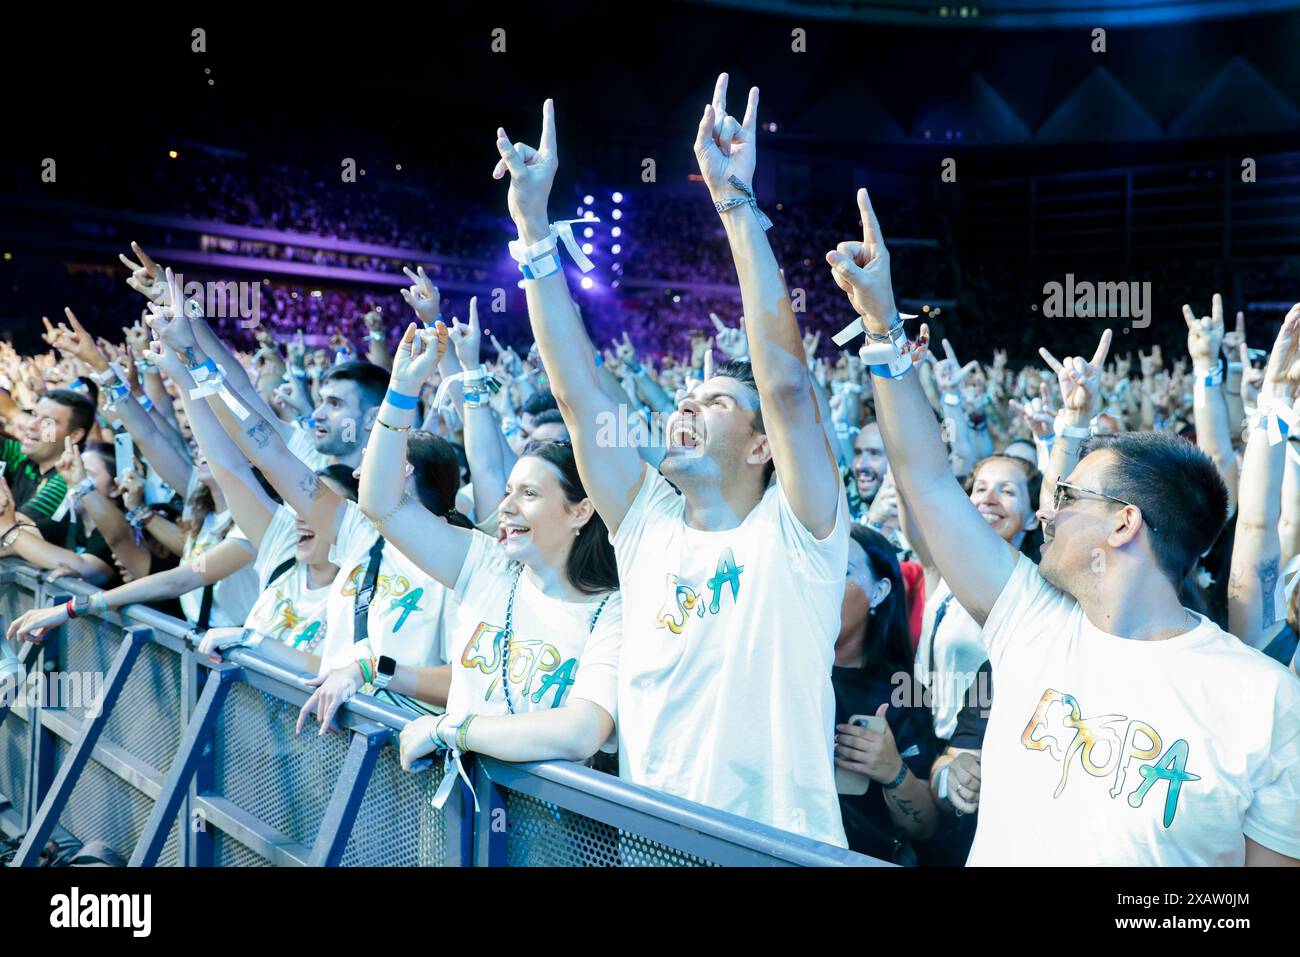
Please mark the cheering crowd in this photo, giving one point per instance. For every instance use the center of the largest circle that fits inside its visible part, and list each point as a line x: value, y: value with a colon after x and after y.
x: 827, y: 596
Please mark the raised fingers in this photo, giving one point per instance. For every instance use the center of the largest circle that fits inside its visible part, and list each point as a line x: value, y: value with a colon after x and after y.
x: 1052, y: 361
x: 1103, y: 348
x: 547, y: 142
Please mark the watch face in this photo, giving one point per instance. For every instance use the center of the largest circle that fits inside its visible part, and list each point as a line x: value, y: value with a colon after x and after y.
x: 387, y: 666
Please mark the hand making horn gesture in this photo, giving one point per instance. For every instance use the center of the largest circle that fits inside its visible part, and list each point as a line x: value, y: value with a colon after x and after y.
x: 422, y: 296
x: 146, y: 275
x: 532, y: 171
x: 1205, y: 335
x: 725, y: 147
x: 1080, y: 381
x: 417, y: 356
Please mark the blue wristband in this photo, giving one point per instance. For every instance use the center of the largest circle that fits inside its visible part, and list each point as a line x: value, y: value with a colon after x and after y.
x: 600, y: 360
x: 399, y: 401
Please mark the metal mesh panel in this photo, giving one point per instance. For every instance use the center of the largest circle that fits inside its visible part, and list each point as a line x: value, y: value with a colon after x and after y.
x: 538, y: 834
x: 397, y: 825
x: 228, y: 852
x: 13, y: 760
x: 283, y: 779
x: 145, y: 721
x: 103, y: 807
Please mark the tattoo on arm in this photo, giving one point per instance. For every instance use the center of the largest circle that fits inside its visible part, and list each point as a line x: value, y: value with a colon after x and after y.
x: 310, y: 485
x: 905, y: 806
x: 1268, y: 572
x: 260, y: 434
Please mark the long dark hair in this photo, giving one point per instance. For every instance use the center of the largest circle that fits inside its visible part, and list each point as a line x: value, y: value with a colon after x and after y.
x: 591, y: 567
x: 887, y: 649
x: 437, y: 475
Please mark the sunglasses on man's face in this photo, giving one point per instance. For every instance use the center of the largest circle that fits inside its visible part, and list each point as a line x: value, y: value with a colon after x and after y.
x: 1067, y: 493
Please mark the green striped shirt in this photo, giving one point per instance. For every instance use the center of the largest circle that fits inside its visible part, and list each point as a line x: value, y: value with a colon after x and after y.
x: 38, y: 496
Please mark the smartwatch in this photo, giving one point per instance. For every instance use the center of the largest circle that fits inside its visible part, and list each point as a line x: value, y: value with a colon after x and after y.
x: 384, y: 673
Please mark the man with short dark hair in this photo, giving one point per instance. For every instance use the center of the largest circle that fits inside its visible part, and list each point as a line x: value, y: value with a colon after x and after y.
x: 734, y: 586
x: 350, y: 396
x: 29, y: 463
x: 1126, y: 729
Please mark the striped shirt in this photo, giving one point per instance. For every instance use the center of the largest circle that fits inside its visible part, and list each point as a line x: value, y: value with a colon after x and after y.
x: 38, y: 496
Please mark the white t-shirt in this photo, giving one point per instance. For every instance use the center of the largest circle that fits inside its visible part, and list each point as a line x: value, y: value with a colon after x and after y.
x: 288, y: 609
x: 1103, y: 750
x: 724, y: 689
x: 233, y: 596
x: 958, y: 654
x: 410, y: 613
x: 303, y: 445
x: 555, y: 654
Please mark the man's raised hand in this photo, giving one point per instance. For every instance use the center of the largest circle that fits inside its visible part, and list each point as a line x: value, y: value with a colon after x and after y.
x: 1080, y: 381
x: 724, y: 146
x: 169, y: 321
x: 861, y: 269
x: 532, y: 171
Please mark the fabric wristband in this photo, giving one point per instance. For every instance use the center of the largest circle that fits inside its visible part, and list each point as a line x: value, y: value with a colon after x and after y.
x: 399, y: 400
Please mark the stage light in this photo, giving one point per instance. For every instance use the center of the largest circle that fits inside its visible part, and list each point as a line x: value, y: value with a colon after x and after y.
x: 677, y: 298
x: 617, y: 214
x: 173, y: 154
x: 616, y: 249
x: 9, y: 256
x: 617, y: 197
x: 771, y: 127
x: 614, y: 284
x: 398, y: 167
x: 616, y: 232
x: 315, y: 293
x: 588, y: 232
x: 293, y: 295
x: 590, y: 215
x: 579, y: 210
x: 925, y: 308
x: 521, y: 284
x: 586, y: 282
x: 587, y: 248
x: 588, y: 199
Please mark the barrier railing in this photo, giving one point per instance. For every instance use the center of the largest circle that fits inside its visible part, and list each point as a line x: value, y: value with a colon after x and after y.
x: 181, y: 761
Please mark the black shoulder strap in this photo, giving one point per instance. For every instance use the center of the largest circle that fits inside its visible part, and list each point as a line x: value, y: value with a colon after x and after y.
x: 281, y: 569
x: 361, y: 618
x: 205, y: 608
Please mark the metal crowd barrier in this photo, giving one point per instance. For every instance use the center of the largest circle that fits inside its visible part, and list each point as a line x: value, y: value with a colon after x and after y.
x: 187, y: 762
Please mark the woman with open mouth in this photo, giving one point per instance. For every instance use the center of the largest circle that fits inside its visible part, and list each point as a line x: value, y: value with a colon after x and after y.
x: 535, y: 656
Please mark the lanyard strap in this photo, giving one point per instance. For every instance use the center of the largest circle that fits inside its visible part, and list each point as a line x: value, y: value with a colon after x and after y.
x: 361, y: 618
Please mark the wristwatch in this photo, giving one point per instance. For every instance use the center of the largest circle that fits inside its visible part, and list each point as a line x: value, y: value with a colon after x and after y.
x: 384, y: 673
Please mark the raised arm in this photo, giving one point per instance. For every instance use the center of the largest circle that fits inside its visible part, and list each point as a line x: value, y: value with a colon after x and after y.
x: 1256, y: 549
x: 805, y: 466
x: 250, y: 506
x: 257, y: 438
x: 148, y: 438
x: 970, y: 556
x: 483, y: 449
x: 611, y: 473
x: 433, y: 544
x: 1209, y: 407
